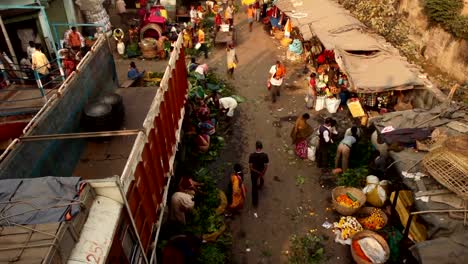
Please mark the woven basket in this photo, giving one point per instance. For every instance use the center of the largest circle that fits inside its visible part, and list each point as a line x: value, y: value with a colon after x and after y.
x: 285, y: 42
x: 222, y: 202
x: 213, y: 236
x: 458, y: 144
x: 360, y: 196
x: 449, y: 168
x: 148, y: 48
x: 279, y: 35
x: 366, y: 211
x: 380, y: 239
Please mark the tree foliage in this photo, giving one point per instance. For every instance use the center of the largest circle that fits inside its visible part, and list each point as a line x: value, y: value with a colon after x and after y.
x: 447, y: 13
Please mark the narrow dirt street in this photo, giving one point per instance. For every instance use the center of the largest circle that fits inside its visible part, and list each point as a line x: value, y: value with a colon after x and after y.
x: 292, y: 201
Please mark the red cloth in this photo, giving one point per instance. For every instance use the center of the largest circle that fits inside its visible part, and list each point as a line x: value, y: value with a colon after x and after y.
x: 218, y: 19
x: 74, y: 39
x: 69, y: 66
x: 301, y: 149
x: 321, y: 59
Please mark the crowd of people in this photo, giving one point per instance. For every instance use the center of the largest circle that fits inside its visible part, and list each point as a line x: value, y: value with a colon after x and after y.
x: 182, y: 201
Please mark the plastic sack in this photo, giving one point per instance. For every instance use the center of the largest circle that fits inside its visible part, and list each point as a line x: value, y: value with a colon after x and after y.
x: 121, y: 48
x: 311, y: 153
x: 375, y: 191
x: 332, y: 104
x: 296, y: 46
x: 373, y: 250
x: 314, y: 140
x: 320, y: 103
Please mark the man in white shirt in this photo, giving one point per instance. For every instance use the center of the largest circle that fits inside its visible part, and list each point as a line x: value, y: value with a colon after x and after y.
x: 193, y: 15
x: 277, y: 73
x: 229, y: 14
x: 181, y: 203
x: 228, y: 104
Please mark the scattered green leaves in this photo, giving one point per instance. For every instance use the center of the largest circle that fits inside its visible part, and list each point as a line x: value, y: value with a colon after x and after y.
x: 307, y: 249
x: 300, y: 180
x: 211, y: 253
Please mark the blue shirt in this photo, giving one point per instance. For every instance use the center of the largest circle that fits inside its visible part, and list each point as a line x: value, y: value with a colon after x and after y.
x: 348, y: 140
x: 133, y: 74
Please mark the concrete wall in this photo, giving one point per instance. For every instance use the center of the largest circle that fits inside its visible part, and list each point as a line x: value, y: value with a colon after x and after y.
x: 439, y: 47
x: 59, y: 157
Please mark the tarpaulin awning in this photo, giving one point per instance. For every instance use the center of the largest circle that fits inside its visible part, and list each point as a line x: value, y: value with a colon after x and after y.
x: 371, y: 63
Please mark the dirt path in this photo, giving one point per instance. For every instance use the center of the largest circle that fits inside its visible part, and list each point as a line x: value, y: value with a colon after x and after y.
x: 292, y: 201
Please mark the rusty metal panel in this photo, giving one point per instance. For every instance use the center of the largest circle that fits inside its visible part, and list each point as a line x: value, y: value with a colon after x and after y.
x: 147, y: 174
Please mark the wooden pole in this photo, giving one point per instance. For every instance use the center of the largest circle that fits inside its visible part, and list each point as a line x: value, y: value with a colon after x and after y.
x: 8, y: 42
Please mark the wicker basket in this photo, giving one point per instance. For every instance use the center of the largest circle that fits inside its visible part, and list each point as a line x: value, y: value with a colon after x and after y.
x: 449, y: 168
x: 222, y: 202
x: 285, y: 42
x: 360, y: 196
x: 213, y: 236
x: 458, y: 144
x: 148, y: 48
x: 380, y: 239
x: 366, y: 211
x: 279, y: 35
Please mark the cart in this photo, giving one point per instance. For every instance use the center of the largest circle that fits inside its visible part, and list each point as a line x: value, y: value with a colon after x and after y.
x: 226, y: 35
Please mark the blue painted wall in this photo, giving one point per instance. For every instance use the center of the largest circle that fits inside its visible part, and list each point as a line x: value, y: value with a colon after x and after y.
x: 59, y: 157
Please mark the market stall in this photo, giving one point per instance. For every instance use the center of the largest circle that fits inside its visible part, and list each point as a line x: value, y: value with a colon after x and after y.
x: 337, y: 44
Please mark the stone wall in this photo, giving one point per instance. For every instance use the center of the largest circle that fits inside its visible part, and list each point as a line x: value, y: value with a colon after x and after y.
x: 438, y: 47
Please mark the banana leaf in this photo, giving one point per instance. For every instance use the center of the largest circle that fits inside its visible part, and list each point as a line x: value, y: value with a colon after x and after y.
x: 238, y: 98
x: 213, y: 87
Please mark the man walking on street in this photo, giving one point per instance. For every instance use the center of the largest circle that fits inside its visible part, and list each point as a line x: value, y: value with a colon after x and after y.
x: 250, y: 16
x: 258, y: 162
x: 231, y: 60
x: 277, y: 73
x: 201, y: 39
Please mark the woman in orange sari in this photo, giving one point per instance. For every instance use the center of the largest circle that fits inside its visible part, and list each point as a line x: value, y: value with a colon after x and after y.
x: 237, y: 190
x: 299, y: 135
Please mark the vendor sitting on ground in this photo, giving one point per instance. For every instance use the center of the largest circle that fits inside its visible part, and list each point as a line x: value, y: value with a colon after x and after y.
x: 228, y: 104
x: 133, y: 73
x: 202, y: 69
x: 181, y: 202
x: 193, y: 65
x: 207, y: 125
x: 187, y: 183
x: 203, y: 141
x: 344, y: 149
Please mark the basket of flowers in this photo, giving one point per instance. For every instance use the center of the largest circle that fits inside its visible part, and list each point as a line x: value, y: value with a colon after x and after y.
x: 347, y: 200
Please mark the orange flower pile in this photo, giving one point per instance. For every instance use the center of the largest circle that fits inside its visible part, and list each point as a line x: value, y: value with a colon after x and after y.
x: 374, y: 221
x: 344, y: 200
